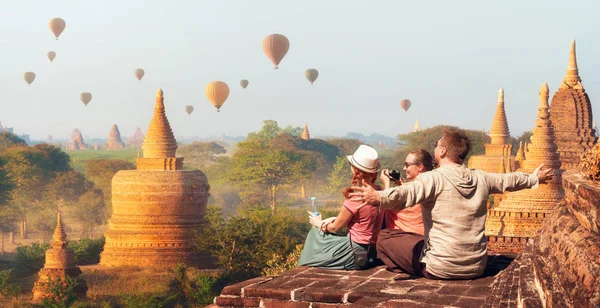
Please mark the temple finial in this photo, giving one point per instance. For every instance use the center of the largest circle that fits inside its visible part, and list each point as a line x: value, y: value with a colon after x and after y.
x: 572, y: 78
x: 499, y: 131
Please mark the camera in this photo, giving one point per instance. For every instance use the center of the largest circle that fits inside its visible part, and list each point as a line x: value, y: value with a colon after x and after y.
x: 394, y: 175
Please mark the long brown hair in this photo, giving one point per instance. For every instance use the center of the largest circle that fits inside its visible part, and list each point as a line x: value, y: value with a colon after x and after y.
x: 358, y: 175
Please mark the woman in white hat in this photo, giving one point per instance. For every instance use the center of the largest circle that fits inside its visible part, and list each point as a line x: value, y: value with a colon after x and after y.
x: 326, y: 249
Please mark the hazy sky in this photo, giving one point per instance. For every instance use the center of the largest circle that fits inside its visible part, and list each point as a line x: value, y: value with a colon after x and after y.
x: 448, y: 57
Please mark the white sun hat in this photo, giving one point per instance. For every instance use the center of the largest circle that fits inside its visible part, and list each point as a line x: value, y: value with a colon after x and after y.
x: 365, y: 158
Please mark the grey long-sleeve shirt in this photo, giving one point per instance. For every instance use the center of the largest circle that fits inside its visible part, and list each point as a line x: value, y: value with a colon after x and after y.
x: 454, y: 200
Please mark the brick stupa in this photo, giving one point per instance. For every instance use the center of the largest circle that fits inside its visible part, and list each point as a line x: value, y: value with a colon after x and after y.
x: 158, y: 207
x: 498, y: 151
x: 305, y: 135
x: 520, y: 214
x: 60, y: 263
x: 77, y: 141
x: 137, y: 139
x: 114, y: 139
x: 571, y: 115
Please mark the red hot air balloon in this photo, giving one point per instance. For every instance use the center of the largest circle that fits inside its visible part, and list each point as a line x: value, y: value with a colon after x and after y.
x: 405, y: 104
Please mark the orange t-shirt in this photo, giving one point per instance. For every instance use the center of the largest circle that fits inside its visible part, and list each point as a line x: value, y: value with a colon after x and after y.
x: 409, y: 219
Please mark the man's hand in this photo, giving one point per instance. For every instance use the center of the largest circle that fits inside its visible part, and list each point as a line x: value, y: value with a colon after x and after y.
x: 364, y: 193
x: 543, y: 175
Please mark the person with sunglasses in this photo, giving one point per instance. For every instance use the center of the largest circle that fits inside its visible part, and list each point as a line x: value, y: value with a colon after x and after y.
x: 391, y: 241
x: 454, y: 203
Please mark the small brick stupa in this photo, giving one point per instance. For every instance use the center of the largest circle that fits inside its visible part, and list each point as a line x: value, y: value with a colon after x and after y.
x: 137, y: 139
x: 305, y: 135
x: 60, y: 263
x: 571, y: 115
x: 158, y: 207
x: 77, y: 141
x: 497, y: 152
x: 520, y: 214
x: 114, y: 139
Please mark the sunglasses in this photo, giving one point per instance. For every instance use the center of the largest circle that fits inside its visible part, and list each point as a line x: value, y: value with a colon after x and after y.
x: 407, y: 164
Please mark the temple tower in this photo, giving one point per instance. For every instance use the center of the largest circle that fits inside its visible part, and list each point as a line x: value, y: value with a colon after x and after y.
x: 499, y: 149
x: 417, y: 126
x: 520, y: 214
x: 571, y: 115
x: 60, y: 264
x: 77, y: 141
x: 158, y: 207
x: 114, y: 139
x: 305, y: 134
x: 137, y: 139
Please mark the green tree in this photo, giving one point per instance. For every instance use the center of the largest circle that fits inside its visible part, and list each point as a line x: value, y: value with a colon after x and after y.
x: 91, y: 211
x: 199, y: 155
x: 9, y: 139
x: 260, y: 163
x: 345, y: 146
x: 339, y: 177
x: 269, y: 131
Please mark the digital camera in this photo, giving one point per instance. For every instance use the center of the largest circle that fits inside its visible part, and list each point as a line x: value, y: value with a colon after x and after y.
x: 394, y: 175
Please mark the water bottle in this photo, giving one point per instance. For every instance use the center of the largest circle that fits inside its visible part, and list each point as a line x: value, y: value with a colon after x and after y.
x: 313, y: 206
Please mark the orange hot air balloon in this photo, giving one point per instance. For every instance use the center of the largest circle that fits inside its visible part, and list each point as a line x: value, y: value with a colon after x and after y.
x: 217, y: 93
x: 29, y: 77
x: 244, y: 83
x: 311, y: 75
x: 139, y: 74
x: 85, y: 97
x: 189, y: 109
x: 275, y: 47
x: 51, y: 55
x: 57, y: 26
x: 405, y: 104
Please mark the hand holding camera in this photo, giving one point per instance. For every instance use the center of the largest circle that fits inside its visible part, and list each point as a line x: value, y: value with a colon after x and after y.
x: 391, y: 175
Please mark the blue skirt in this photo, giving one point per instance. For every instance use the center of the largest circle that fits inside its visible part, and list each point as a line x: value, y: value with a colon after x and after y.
x: 327, y: 250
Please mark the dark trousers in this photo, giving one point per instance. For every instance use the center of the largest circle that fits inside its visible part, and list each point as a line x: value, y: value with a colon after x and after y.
x: 401, y: 251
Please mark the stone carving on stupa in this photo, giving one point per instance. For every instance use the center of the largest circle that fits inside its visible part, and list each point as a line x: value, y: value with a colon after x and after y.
x: 77, y: 141
x: 305, y: 135
x: 571, y: 115
x: 60, y: 264
x: 498, y: 151
x: 114, y: 139
x: 137, y: 139
x: 520, y: 214
x: 157, y: 208
x: 590, y: 163
x: 520, y: 157
x: 417, y: 126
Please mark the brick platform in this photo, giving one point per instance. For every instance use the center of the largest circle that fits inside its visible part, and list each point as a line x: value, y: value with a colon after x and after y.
x: 306, y: 287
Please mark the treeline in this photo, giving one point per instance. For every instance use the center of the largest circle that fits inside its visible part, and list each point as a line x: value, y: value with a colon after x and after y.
x: 38, y: 181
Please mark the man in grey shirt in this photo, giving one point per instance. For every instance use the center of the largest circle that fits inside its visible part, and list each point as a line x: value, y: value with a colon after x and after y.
x: 453, y: 200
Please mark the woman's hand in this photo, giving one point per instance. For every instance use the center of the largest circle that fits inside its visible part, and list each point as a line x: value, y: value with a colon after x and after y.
x: 315, y: 220
x: 325, y: 222
x: 385, y: 178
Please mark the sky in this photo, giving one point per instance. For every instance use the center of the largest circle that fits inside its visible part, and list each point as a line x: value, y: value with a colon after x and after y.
x: 448, y: 57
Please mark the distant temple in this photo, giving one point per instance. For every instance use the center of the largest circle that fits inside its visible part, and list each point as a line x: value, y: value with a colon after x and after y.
x: 571, y: 115
x: 5, y: 129
x: 417, y: 126
x: 305, y: 134
x: 137, y: 139
x: 520, y: 214
x: 114, y: 139
x: 157, y: 208
x: 498, y: 151
x: 77, y: 141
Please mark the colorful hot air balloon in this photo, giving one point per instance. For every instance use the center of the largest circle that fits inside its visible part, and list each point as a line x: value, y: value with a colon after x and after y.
x: 311, y: 75
x: 85, y: 97
x: 29, y: 77
x: 51, y: 55
x: 189, y: 109
x: 275, y: 46
x: 217, y: 93
x: 244, y: 83
x: 405, y: 104
x: 57, y: 26
x: 139, y: 74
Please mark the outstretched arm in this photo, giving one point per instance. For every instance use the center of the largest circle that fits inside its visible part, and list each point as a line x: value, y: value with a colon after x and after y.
x: 399, y: 197
x: 499, y: 183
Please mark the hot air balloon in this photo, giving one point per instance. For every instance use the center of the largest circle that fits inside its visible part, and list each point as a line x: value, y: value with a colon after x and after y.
x: 311, y: 75
x: 51, y: 55
x: 57, y: 26
x: 85, y: 97
x: 275, y: 46
x: 189, y: 109
x: 29, y: 77
x: 244, y: 83
x: 139, y: 74
x: 405, y: 104
x: 217, y: 93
